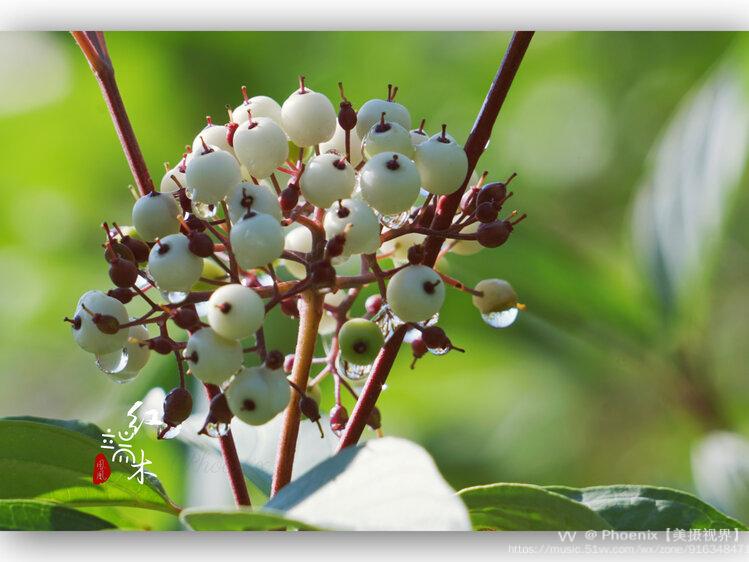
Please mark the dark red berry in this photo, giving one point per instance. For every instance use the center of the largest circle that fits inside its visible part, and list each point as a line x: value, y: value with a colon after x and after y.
x: 435, y: 338
x: 106, y: 323
x: 419, y: 348
x: 288, y: 363
x: 122, y: 294
x: 194, y: 223
x: 289, y: 198
x: 416, y: 254
x: 373, y: 304
x: 334, y: 248
x: 186, y: 318
x: 309, y: 408
x: 322, y: 273
x: 177, y: 406
x: 123, y: 273
x: 115, y: 250
x: 219, y: 411
x: 290, y: 307
x: 200, y: 244
x: 274, y: 360
x: 468, y: 201
x: 493, y: 234
x: 138, y: 248
x: 346, y: 116
x: 492, y: 193
x: 161, y: 345
x: 487, y: 212
x: 231, y: 128
x: 338, y: 418
x: 375, y: 419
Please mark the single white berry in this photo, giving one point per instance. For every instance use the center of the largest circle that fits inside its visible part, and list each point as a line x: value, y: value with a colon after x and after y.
x: 371, y: 112
x: 95, y: 325
x: 257, y: 240
x: 247, y: 196
x: 338, y: 144
x: 155, y: 215
x: 327, y: 178
x: 308, y: 117
x: 442, y: 164
x: 386, y: 136
x: 261, y: 146
x: 498, y: 295
x: 415, y: 293
x: 260, y: 106
x: 256, y: 395
x: 168, y: 185
x: 212, y: 135
x: 172, y: 265
x: 328, y: 322
x: 212, y: 358
x: 211, y: 173
x: 358, y: 222
x: 465, y: 247
x: 418, y: 136
x: 298, y: 239
x: 235, y: 311
x: 390, y: 183
x: 124, y: 364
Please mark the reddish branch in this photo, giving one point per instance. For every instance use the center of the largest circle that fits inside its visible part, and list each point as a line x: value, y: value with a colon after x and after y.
x: 446, y: 209
x: 94, y: 47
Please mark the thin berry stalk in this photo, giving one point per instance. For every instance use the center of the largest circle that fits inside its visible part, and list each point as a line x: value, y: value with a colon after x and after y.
x: 310, y: 313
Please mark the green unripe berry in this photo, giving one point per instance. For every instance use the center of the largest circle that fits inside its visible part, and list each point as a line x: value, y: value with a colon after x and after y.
x: 360, y: 341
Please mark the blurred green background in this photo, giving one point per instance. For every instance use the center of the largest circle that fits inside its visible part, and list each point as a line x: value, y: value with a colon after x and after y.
x: 633, y: 263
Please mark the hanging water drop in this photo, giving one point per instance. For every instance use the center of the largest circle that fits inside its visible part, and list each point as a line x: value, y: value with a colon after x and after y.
x: 501, y: 319
x: 114, y: 365
x: 351, y: 371
x: 394, y: 221
x: 216, y: 429
x: 174, y: 297
x: 386, y: 320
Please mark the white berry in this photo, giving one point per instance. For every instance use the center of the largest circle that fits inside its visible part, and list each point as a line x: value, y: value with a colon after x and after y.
x: 212, y: 135
x: 328, y: 323
x: 387, y: 137
x: 358, y: 222
x: 390, y: 183
x: 308, y: 118
x: 327, y: 178
x: 235, y: 311
x: 172, y: 265
x: 212, y: 358
x: 498, y: 295
x: 257, y: 240
x: 338, y: 144
x: 416, y: 293
x: 418, y: 136
x: 256, y: 395
x: 260, y: 106
x: 260, y: 199
x: 261, y: 146
x: 371, y: 112
x: 442, y: 165
x: 297, y: 239
x: 211, y: 174
x: 397, y: 248
x: 93, y: 336
x: 155, y: 215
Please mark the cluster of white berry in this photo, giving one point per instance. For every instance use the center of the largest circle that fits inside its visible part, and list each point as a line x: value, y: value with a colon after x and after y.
x: 362, y: 187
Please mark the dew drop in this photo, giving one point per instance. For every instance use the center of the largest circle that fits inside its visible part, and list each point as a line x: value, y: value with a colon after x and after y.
x: 351, y: 371
x: 114, y: 365
x: 217, y: 429
x: 204, y: 211
x: 169, y: 431
x: 174, y: 297
x: 386, y: 320
x: 438, y: 350
x: 394, y: 221
x: 501, y: 319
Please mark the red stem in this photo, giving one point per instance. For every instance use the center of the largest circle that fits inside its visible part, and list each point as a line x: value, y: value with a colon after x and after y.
x: 229, y: 452
x: 446, y: 208
x: 101, y: 65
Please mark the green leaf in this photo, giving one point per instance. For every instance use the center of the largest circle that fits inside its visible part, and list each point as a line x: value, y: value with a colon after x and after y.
x: 648, y: 508
x: 37, y: 515
x: 386, y: 484
x: 240, y: 520
x: 525, y: 507
x: 53, y: 460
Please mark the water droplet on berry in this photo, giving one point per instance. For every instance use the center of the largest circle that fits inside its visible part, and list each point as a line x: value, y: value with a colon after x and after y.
x: 351, y: 371
x: 438, y: 350
x: 501, y: 319
x: 174, y: 297
x: 394, y: 221
x: 204, y: 211
x: 219, y: 429
x: 169, y: 431
x: 386, y: 320
x: 114, y: 364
